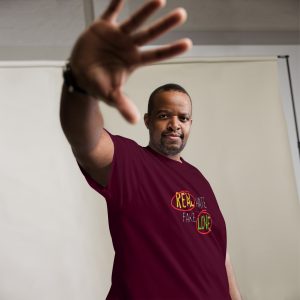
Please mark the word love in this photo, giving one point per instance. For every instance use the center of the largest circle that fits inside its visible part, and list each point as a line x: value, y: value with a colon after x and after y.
x: 204, y: 222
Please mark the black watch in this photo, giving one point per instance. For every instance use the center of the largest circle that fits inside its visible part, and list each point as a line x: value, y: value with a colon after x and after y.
x: 70, y: 81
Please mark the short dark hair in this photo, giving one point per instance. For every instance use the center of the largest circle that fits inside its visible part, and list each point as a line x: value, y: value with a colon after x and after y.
x: 164, y: 88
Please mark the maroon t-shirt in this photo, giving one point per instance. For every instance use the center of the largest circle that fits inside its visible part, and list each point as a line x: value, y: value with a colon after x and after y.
x: 168, y: 232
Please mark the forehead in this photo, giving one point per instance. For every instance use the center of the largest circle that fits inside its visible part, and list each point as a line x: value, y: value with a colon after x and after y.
x: 172, y: 100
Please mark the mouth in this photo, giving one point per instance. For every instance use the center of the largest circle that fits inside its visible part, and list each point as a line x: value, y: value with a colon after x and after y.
x: 173, y: 136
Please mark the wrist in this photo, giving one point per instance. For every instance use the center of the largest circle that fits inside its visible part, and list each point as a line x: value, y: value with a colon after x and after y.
x: 70, y: 81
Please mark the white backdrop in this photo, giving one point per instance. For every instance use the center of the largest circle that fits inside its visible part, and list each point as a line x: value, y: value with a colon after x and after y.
x: 55, y: 240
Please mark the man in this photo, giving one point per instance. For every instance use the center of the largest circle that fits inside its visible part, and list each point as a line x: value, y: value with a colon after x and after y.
x: 168, y: 232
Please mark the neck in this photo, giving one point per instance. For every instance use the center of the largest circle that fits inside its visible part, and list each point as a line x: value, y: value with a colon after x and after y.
x: 175, y: 157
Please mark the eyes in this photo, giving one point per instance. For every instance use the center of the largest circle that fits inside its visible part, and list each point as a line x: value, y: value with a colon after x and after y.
x: 165, y: 116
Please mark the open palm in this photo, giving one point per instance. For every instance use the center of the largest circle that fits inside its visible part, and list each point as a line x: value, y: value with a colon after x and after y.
x: 107, y: 53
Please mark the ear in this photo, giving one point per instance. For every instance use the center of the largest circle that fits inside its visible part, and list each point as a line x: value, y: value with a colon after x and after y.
x: 146, y: 120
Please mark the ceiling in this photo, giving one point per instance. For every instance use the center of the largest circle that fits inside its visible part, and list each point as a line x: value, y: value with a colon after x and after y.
x: 48, y: 28
x: 235, y: 15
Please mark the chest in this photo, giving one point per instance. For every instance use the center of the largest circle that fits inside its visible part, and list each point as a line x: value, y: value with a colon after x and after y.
x: 173, y: 200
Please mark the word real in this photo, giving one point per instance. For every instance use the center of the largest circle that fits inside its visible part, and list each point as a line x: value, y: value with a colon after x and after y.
x: 183, y: 201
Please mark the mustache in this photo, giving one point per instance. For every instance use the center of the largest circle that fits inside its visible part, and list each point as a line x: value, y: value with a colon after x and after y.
x: 173, y: 133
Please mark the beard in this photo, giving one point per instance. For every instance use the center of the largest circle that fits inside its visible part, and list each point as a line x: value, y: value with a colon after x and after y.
x: 171, y: 148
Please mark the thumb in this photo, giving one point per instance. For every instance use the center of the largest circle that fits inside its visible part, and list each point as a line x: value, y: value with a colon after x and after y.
x: 125, y: 106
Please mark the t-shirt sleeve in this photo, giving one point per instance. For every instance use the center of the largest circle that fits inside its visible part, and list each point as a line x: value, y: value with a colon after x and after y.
x: 95, y: 185
x: 124, y: 151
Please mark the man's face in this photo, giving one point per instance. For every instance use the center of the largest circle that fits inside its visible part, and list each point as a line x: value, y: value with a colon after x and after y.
x: 169, y: 123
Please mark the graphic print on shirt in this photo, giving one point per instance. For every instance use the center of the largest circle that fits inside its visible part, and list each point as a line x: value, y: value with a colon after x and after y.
x: 193, y: 210
x: 204, y: 222
x: 183, y: 201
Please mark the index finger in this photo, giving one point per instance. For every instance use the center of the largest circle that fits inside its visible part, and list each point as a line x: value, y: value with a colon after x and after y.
x: 112, y: 11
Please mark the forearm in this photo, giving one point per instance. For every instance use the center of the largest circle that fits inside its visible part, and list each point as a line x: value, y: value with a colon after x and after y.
x: 81, y: 120
x: 235, y: 294
x: 233, y: 287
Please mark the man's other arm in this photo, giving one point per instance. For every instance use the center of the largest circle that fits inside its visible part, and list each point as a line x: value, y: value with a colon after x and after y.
x: 233, y: 288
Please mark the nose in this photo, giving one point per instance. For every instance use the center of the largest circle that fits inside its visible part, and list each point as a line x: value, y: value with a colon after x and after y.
x: 173, y: 124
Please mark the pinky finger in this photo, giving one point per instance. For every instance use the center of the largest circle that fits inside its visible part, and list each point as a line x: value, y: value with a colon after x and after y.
x: 165, y: 52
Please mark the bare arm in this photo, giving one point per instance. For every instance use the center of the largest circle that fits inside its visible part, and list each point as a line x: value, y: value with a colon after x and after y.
x: 233, y: 288
x: 102, y: 59
x: 82, y: 124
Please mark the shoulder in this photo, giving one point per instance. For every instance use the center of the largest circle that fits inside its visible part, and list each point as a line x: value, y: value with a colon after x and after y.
x: 196, y: 172
x: 121, y: 139
x: 123, y: 144
x: 192, y: 168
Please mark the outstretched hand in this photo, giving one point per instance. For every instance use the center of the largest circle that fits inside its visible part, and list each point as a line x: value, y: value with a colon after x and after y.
x: 107, y: 52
